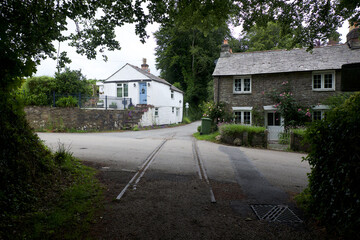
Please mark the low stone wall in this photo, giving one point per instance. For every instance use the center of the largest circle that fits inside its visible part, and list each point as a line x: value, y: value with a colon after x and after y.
x: 82, y: 119
x: 246, y: 139
x: 297, y: 143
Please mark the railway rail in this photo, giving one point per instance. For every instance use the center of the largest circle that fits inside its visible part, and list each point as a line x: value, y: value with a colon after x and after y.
x: 134, y: 181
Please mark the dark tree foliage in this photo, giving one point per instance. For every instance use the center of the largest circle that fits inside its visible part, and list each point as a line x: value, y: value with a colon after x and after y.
x: 260, y: 38
x: 27, y: 31
x: 310, y: 20
x: 335, y: 174
x: 71, y: 82
x: 187, y: 62
x: 189, y: 43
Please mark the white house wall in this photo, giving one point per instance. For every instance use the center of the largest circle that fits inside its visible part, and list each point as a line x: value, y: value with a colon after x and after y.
x: 159, y: 95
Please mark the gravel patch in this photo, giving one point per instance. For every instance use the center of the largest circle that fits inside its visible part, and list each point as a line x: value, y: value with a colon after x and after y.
x: 166, y: 206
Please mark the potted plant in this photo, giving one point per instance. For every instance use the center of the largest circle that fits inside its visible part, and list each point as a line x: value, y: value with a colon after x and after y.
x: 100, y: 103
x: 113, y: 105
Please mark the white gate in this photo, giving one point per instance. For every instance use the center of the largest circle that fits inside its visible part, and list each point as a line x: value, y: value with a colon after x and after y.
x: 274, y: 125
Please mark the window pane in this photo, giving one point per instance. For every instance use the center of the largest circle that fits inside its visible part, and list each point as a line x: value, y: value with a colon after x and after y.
x: 270, y: 119
x: 317, y: 115
x: 247, y: 84
x: 247, y: 118
x: 156, y: 111
x: 237, y: 117
x: 277, y: 119
x: 237, y: 85
x: 317, y: 81
x: 172, y: 94
x: 328, y: 80
x: 119, y: 92
x: 126, y: 90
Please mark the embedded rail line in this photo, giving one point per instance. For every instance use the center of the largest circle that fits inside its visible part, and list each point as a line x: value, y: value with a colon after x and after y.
x: 152, y: 156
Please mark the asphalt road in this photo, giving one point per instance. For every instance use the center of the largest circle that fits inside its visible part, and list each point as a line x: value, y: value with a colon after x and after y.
x: 265, y: 176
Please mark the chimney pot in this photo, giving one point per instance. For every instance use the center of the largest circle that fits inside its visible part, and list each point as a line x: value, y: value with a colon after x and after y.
x: 225, y: 49
x: 353, y: 38
x: 145, y: 66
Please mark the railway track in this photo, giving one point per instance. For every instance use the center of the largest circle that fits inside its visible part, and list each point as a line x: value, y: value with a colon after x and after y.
x: 201, y: 170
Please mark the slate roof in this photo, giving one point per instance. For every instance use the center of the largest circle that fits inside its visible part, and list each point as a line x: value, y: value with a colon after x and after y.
x: 278, y: 61
x: 148, y: 75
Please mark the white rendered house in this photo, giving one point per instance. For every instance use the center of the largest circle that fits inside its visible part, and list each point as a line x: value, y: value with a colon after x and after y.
x: 131, y: 85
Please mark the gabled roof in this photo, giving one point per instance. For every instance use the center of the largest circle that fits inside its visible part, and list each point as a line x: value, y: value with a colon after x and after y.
x: 278, y: 61
x: 132, y: 73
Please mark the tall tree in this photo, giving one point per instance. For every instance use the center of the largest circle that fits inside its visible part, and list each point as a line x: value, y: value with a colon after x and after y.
x: 188, y: 57
x: 189, y: 43
x: 309, y: 19
x: 269, y: 37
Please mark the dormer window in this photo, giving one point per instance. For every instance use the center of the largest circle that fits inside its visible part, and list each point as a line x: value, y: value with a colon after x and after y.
x: 242, y: 84
x: 323, y: 81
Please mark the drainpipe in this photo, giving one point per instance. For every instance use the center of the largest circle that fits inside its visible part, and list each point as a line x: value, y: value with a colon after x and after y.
x: 218, y: 90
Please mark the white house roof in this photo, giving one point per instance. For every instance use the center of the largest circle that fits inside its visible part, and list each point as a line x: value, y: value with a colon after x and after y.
x: 132, y: 73
x: 278, y: 61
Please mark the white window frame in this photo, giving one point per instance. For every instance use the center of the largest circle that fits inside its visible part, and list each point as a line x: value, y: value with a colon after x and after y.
x: 241, y: 110
x: 322, y: 114
x: 322, y: 74
x: 172, y: 94
x: 172, y: 109
x: 156, y: 113
x: 242, y: 79
x: 122, y: 87
x: 177, y: 111
x: 320, y: 108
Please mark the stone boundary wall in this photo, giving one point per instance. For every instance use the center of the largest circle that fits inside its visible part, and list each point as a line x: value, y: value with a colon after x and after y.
x: 297, y: 143
x: 82, y: 119
x: 246, y: 139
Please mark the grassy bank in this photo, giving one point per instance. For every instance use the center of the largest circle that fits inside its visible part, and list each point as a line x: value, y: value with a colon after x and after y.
x: 63, y: 205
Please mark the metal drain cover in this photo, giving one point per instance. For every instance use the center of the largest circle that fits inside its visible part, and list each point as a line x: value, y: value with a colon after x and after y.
x: 275, y: 213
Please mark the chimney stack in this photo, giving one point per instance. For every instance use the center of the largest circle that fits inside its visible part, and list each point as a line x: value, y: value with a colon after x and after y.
x: 353, y: 37
x: 145, y: 66
x: 225, y: 49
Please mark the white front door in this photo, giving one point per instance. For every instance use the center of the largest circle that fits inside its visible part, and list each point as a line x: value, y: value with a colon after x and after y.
x: 274, y: 125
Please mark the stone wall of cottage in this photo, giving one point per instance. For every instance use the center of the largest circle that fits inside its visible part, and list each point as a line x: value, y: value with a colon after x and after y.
x: 82, y: 119
x: 300, y: 83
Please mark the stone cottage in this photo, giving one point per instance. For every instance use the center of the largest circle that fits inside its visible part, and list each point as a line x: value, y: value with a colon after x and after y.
x: 240, y: 79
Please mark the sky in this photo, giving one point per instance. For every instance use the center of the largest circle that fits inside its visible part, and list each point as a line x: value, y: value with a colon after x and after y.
x: 132, y: 51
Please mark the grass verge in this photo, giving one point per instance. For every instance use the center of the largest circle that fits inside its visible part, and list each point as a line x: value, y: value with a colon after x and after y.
x: 207, y: 137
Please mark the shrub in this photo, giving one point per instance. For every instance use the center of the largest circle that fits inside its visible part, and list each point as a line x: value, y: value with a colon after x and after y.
x: 67, y: 102
x: 37, y: 90
x: 136, y: 128
x: 335, y: 175
x: 217, y: 112
x: 293, y: 113
x: 186, y: 120
x: 299, y: 131
x: 284, y: 138
x: 233, y: 129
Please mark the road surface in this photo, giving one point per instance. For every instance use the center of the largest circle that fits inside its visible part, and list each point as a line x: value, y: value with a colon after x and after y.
x: 265, y: 176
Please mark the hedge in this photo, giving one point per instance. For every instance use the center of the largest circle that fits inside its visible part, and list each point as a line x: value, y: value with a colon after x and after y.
x: 243, y: 135
x: 335, y: 176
